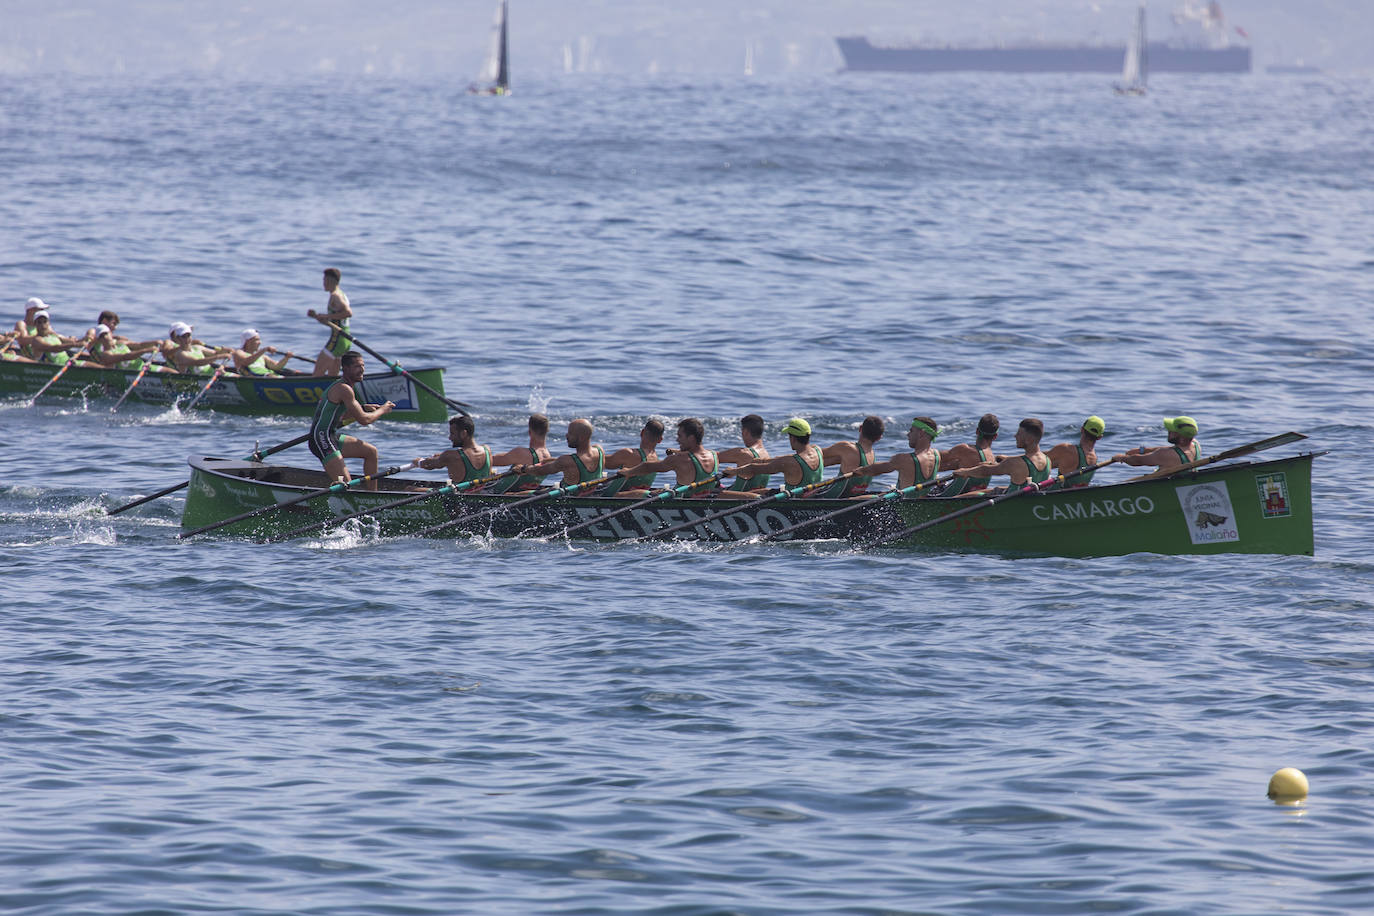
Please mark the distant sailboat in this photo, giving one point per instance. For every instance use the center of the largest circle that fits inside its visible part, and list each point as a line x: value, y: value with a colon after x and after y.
x: 1135, y: 71
x: 748, y: 58
x: 495, y: 78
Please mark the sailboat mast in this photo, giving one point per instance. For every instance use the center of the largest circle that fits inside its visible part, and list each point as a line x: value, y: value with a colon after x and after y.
x: 503, y: 65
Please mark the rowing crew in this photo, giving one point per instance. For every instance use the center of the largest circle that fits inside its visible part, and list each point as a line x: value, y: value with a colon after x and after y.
x: 33, y: 340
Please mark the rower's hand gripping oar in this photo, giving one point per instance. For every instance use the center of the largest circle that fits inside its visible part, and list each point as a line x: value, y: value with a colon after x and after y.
x: 495, y: 510
x: 449, y: 487
x: 991, y: 501
x: 396, y: 367
x: 1237, y: 452
x: 858, y: 504
x: 339, y: 487
x: 780, y: 493
x: 666, y: 493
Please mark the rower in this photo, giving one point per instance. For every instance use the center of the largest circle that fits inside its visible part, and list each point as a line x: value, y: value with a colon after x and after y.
x: 967, y: 456
x: 118, y: 353
x: 1182, y: 448
x: 25, y: 325
x: 188, y: 356
x: 586, y: 462
x: 340, y: 403
x: 751, y: 434
x: 9, y: 348
x: 804, y: 467
x: 691, y: 462
x: 1029, y: 467
x: 851, y: 456
x: 338, y: 312
x: 45, y: 344
x: 920, y: 465
x: 109, y: 319
x: 539, y: 430
x: 251, y: 357
x: 466, y: 460
x: 649, y: 438
x: 1068, y: 457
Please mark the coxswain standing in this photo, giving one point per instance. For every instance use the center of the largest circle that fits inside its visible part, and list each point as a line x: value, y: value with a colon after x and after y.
x: 649, y: 438
x: 536, y: 452
x: 692, y: 462
x: 587, y: 461
x: 1032, y: 466
x: 804, y: 467
x: 340, y: 403
x: 920, y: 465
x: 1182, y: 448
x: 338, y: 313
x: 1067, y: 457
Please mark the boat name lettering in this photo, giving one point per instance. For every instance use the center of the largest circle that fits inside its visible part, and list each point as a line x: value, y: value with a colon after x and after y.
x: 1096, y: 508
x: 638, y: 522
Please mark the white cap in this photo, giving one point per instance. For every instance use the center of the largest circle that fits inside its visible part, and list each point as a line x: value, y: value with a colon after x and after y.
x: 247, y: 335
x: 35, y: 303
x: 101, y: 330
x: 179, y: 328
x: 41, y: 313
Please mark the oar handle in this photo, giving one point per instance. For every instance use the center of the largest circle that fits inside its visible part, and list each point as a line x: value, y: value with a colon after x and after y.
x: 396, y: 367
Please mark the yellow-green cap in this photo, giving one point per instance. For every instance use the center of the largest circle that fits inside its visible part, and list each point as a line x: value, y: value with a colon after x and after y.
x: 1184, y: 426
x: 797, y: 427
x: 1094, y: 426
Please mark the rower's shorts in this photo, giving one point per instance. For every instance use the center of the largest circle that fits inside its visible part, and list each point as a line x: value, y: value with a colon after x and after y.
x: 338, y: 344
x: 326, y: 445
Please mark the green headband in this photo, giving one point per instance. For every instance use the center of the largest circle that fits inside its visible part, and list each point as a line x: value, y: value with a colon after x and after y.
x: 924, y: 427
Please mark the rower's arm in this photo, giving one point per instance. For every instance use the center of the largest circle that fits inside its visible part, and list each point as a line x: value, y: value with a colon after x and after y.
x: 759, y: 466
x: 734, y: 455
x: 562, y: 463
x: 878, y: 468
x: 835, y: 454
x: 626, y: 457
x: 514, y: 456
x: 1063, y: 458
x: 670, y: 463
x: 1159, y: 457
x: 360, y: 414
x: 1000, y: 468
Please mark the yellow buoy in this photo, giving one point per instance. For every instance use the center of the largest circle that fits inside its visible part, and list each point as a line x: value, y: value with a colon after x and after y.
x: 1288, y: 786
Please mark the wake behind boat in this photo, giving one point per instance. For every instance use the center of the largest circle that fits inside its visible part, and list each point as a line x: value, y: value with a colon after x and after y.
x: 294, y: 396
x: 1259, y: 507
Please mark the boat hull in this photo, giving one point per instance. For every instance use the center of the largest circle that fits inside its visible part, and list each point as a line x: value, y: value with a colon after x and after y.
x: 294, y: 395
x: 1263, y: 507
x: 860, y: 55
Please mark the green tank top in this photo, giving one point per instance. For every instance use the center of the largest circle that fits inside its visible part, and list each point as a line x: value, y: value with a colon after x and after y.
x: 850, y: 486
x: 1079, y: 481
x: 473, y: 473
x: 258, y: 366
x: 1184, y: 456
x: 583, y: 474
x: 934, y: 470
x: 637, y: 482
x: 965, y: 484
x: 757, y: 482
x: 1034, y: 474
x: 521, y: 482
x: 196, y: 352
x: 809, y: 474
x: 54, y: 357
x: 329, y: 416
x: 701, y: 473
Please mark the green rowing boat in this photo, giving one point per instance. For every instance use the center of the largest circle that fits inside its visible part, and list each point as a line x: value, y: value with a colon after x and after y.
x: 1247, y: 507
x: 293, y: 395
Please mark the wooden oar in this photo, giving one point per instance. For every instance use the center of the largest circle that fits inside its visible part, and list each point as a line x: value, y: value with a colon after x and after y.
x: 666, y: 493
x: 297, y: 500
x: 132, y: 385
x: 1238, y: 451
x: 858, y: 504
x: 450, y: 487
x: 60, y: 372
x: 492, y: 510
x: 396, y: 367
x: 781, y: 493
x: 214, y: 377
x: 991, y: 501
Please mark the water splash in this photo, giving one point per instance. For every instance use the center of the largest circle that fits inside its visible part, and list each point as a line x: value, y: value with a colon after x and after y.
x: 538, y: 402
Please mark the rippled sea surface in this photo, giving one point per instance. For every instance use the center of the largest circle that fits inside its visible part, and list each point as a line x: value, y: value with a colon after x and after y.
x: 349, y: 725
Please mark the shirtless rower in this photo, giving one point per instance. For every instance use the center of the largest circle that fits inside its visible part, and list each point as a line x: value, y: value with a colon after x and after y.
x: 1032, y: 466
x: 851, y: 456
x: 466, y: 460
x: 340, y: 403
x: 964, y: 455
x: 586, y: 461
x: 1067, y: 457
x: 804, y: 467
x: 1182, y: 448
x: 536, y: 452
x: 751, y: 434
x: 918, y: 466
x: 692, y: 462
x: 339, y: 311
x: 649, y: 438
x: 251, y: 357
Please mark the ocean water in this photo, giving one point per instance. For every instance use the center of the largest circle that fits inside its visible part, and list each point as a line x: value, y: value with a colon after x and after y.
x: 349, y: 725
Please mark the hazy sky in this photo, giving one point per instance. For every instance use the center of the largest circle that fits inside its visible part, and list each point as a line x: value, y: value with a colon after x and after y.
x: 419, y: 38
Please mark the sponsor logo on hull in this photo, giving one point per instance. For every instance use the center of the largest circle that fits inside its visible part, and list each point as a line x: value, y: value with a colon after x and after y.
x: 1273, y: 495
x: 1208, y: 513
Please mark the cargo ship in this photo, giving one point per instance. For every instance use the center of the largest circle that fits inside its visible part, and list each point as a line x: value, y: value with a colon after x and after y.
x: 1201, y: 43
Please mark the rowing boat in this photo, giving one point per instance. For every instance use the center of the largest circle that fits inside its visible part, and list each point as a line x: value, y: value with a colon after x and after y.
x: 1247, y: 507
x: 293, y: 395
